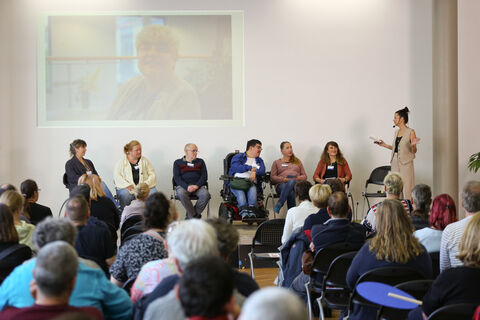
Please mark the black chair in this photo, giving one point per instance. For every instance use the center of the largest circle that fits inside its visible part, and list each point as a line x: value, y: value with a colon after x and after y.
x: 131, y: 232
x: 272, y: 192
x: 416, y: 288
x: 387, y: 275
x: 131, y: 221
x: 174, y: 196
x: 376, y: 178
x: 265, y: 243
x: 435, y: 256
x: 458, y: 311
x: 127, y: 285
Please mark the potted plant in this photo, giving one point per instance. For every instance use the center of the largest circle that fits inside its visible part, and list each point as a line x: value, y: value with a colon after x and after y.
x: 474, y: 162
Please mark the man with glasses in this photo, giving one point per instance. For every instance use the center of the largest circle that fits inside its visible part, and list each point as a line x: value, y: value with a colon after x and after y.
x: 190, y: 175
x: 247, y: 166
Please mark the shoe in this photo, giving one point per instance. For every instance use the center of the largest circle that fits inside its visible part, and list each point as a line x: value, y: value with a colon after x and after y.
x: 244, y: 213
x: 251, y: 214
x: 277, y: 207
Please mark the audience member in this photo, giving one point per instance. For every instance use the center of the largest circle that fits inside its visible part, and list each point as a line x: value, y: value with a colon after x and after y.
x: 332, y: 164
x: 190, y: 175
x: 147, y: 246
x: 296, y: 216
x: 93, y: 241
x: 273, y: 303
x: 12, y: 253
x: 458, y: 284
x: 421, y: 201
x: 132, y: 169
x: 15, y: 202
x: 36, y: 212
x: 7, y: 186
x: 54, y: 278
x: 394, y: 245
x: 393, y: 188
x: 206, y: 289
x: 92, y: 288
x: 319, y: 195
x: 442, y: 214
x: 285, y: 173
x: 453, y: 232
x: 137, y: 206
x: 247, y: 168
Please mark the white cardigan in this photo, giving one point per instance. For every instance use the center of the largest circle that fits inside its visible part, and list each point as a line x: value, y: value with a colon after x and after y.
x: 123, y: 173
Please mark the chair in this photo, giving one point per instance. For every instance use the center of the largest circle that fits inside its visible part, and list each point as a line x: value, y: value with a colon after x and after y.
x: 272, y: 192
x: 174, y: 196
x: 127, y: 285
x: 323, y: 266
x: 387, y: 275
x: 458, y: 311
x: 265, y: 243
x: 376, y: 178
x: 131, y: 221
x: 131, y: 232
x: 435, y: 256
x: 350, y: 197
x: 416, y: 288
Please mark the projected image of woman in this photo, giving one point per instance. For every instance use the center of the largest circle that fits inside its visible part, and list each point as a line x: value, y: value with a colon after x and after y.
x: 403, y: 148
x: 158, y: 93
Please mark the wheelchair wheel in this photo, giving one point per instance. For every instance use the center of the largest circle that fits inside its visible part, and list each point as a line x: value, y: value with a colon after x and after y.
x: 225, y: 213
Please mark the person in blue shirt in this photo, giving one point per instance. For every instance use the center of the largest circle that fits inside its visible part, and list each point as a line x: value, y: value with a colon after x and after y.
x: 248, y: 165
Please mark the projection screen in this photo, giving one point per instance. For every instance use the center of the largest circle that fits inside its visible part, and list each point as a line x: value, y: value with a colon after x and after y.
x: 156, y: 69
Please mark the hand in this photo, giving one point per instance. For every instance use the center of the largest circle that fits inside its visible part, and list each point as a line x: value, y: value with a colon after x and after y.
x: 380, y: 143
x: 253, y: 176
x: 343, y: 180
x: 312, y: 247
x: 415, y: 141
x: 285, y: 179
x: 191, y: 188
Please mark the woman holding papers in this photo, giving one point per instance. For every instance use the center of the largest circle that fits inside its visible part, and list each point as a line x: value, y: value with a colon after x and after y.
x: 332, y: 164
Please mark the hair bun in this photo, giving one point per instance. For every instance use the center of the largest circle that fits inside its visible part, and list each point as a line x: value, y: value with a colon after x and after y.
x: 406, y: 109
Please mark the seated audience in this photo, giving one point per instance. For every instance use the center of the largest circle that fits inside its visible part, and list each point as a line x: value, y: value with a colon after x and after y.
x: 206, y: 288
x: 458, y: 284
x: 332, y: 164
x: 93, y: 241
x: 54, y: 278
x: 147, y: 246
x: 393, y: 245
x: 273, y: 303
x: 91, y: 289
x: 190, y: 175
x: 137, y: 206
x: 7, y: 186
x: 442, y: 214
x: 421, y: 201
x: 101, y: 207
x: 393, y: 188
x: 186, y: 241
x: 319, y: 195
x: 247, y: 169
x: 132, y: 169
x: 296, y: 216
x: 25, y: 230
x: 12, y: 253
x: 453, y: 232
x: 285, y: 173
x: 35, y: 212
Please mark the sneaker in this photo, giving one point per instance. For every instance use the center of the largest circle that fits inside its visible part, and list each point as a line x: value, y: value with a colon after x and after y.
x: 251, y: 214
x: 244, y: 213
x: 277, y: 207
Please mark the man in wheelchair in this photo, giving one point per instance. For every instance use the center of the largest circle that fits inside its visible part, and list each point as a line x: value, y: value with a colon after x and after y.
x: 247, y: 170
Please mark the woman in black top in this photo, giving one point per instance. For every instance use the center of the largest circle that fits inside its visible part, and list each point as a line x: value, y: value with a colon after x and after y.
x: 34, y: 211
x: 12, y: 253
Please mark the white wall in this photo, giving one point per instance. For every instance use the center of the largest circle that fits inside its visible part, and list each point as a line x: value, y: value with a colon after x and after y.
x: 468, y: 93
x: 314, y: 71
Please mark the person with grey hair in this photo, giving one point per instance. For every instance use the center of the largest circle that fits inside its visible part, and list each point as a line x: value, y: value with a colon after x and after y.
x: 452, y: 234
x: 54, y: 278
x: 190, y: 176
x: 421, y: 201
x: 92, y: 288
x: 188, y: 240
x: 158, y: 93
x: 273, y: 303
x: 94, y: 241
x: 393, y: 189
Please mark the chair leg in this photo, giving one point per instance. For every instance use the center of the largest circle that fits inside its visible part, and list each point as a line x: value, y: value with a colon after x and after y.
x: 251, y: 265
x: 320, y: 308
x: 309, y: 301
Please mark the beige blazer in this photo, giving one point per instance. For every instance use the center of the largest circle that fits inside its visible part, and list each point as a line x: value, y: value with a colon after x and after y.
x: 405, y: 153
x: 123, y: 173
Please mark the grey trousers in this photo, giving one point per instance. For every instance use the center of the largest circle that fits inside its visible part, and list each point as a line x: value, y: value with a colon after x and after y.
x: 193, y: 211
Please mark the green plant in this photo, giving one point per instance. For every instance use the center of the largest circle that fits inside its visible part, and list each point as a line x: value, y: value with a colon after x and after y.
x: 474, y: 162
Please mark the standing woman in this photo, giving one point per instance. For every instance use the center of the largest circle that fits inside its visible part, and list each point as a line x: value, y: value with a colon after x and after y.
x: 132, y: 169
x: 332, y: 164
x: 284, y: 175
x: 403, y: 148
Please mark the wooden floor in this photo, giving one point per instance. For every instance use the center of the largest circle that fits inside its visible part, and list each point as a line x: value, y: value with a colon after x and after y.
x: 265, y: 277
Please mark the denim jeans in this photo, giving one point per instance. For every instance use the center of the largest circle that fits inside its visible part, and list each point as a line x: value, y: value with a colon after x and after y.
x: 242, y: 199
x: 125, y: 197
x: 287, y: 193
x: 203, y: 198
x: 108, y: 193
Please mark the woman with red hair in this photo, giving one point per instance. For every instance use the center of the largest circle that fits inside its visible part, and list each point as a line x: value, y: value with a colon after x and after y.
x: 442, y: 214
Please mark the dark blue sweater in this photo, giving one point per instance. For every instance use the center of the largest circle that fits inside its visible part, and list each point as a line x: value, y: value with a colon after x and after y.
x: 190, y: 173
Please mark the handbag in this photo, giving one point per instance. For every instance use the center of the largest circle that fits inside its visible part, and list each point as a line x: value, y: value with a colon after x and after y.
x: 241, y: 184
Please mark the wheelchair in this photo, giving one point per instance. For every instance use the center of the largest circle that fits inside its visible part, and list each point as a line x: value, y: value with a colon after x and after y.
x: 228, y: 209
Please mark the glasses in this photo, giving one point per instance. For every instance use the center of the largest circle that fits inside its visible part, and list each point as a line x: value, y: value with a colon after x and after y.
x: 194, y: 151
x: 258, y: 147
